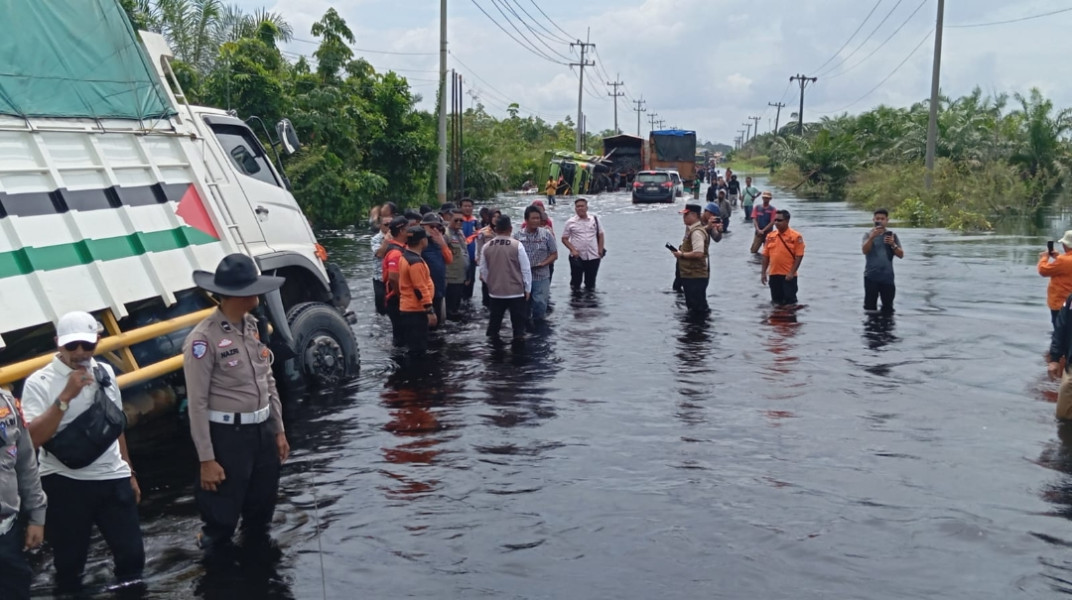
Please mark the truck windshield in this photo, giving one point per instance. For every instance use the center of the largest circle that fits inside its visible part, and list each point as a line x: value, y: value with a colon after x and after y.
x: 245, y: 152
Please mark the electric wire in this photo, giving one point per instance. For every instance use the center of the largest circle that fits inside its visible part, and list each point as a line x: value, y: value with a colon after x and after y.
x: 498, y: 4
x: 861, y: 26
x: 887, y: 78
x: 501, y: 96
x: 531, y: 48
x: 552, y: 21
x: 864, y: 42
x: 1048, y: 14
x: 537, y: 22
x: 880, y: 46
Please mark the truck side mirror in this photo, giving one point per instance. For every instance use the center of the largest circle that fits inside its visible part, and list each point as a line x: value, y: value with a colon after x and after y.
x: 284, y: 130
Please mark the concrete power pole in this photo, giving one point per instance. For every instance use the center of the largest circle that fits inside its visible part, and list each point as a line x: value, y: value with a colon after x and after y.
x: 616, y: 94
x: 932, y: 122
x: 755, y: 131
x: 747, y: 130
x: 441, y: 165
x: 803, y: 79
x: 639, y: 109
x: 651, y: 118
x: 580, y: 88
x: 778, y: 114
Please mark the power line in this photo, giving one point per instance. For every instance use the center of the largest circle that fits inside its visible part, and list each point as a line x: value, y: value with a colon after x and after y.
x: 861, y: 26
x: 498, y: 6
x: 529, y: 47
x: 502, y: 97
x: 866, y: 39
x: 550, y: 33
x: 1048, y: 14
x: 892, y: 73
x: 371, y: 51
x: 552, y: 21
x: 880, y: 46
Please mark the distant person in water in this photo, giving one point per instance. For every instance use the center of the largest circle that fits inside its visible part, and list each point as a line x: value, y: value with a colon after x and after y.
x: 550, y: 189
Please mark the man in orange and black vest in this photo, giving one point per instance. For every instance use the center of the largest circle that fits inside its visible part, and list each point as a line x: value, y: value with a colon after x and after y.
x: 396, y: 245
x: 416, y: 291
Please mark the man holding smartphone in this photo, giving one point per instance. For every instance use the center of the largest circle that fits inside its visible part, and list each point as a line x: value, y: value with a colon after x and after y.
x: 692, y: 264
x: 879, y: 247
x: 1058, y: 267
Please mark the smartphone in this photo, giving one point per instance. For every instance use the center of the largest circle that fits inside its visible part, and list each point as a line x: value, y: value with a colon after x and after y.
x: 1049, y: 246
x: 670, y: 248
x: 878, y: 224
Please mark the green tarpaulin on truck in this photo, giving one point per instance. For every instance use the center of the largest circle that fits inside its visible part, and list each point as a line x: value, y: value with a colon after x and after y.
x: 75, y: 58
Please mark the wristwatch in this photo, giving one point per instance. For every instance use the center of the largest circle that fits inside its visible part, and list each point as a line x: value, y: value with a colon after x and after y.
x: 63, y: 406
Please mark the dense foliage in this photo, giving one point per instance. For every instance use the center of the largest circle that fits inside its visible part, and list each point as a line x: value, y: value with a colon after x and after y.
x: 994, y: 157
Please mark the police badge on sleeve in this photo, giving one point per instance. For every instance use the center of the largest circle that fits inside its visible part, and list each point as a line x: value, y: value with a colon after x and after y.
x: 199, y: 348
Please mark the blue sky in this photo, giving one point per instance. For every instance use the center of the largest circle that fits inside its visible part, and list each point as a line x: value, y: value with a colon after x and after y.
x: 710, y: 64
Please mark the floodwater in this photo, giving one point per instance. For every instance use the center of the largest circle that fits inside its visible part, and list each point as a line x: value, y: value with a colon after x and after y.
x: 628, y: 453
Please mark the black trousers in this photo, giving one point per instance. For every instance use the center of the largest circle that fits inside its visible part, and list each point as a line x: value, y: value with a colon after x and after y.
x: 455, y: 293
x: 875, y: 289
x: 470, y: 276
x: 250, y: 461
x: 695, y: 294
x: 74, y: 506
x: 518, y: 308
x: 15, y: 582
x: 396, y: 326
x: 782, y: 290
x: 415, y: 331
x: 586, y: 269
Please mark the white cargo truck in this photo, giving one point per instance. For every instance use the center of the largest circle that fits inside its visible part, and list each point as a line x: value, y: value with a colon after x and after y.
x: 113, y: 190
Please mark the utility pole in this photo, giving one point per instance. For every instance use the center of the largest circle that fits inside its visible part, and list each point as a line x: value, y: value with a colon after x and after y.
x: 441, y: 165
x: 755, y: 131
x: 747, y: 131
x: 580, y: 88
x: 616, y: 95
x: 778, y: 114
x: 740, y: 139
x: 662, y: 123
x: 932, y: 122
x: 639, y: 109
x: 651, y: 117
x: 803, y: 79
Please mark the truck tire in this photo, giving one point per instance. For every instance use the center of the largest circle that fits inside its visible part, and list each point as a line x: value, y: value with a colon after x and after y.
x: 326, y: 348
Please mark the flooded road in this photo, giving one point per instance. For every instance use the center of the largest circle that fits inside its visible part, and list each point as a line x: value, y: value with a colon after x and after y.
x: 630, y: 454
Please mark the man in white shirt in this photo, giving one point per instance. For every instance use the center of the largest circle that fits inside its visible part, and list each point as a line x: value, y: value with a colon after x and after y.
x: 106, y: 490
x: 583, y: 236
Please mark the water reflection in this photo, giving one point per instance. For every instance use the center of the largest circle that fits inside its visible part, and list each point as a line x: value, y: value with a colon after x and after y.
x: 779, y: 343
x: 1057, y: 455
x: 697, y: 351
x: 878, y: 331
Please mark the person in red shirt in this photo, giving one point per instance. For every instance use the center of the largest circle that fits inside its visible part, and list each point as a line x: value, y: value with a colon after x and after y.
x: 396, y: 245
x: 417, y: 293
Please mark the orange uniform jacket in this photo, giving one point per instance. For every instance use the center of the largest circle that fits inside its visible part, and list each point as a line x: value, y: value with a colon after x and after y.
x: 782, y: 255
x: 1060, y: 273
x: 415, y: 281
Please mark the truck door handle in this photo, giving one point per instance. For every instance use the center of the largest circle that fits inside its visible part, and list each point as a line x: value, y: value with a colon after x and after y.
x: 260, y: 210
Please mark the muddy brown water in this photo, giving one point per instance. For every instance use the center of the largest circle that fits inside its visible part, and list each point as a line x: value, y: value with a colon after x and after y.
x: 627, y: 453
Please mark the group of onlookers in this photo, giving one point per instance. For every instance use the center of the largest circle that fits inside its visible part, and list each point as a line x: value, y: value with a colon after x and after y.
x: 427, y: 264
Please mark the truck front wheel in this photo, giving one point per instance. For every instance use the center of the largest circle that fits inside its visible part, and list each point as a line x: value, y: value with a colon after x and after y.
x: 326, y: 348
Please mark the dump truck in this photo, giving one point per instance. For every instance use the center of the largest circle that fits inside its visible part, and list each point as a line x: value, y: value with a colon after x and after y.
x: 114, y: 189
x: 624, y: 156
x: 673, y: 149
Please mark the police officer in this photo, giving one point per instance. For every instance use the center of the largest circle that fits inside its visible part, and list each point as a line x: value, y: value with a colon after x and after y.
x: 20, y: 495
x: 235, y: 415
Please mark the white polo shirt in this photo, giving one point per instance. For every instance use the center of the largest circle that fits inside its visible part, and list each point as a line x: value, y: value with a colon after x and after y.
x: 41, y: 390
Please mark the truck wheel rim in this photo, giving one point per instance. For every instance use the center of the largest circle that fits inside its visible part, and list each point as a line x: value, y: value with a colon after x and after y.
x: 325, y: 359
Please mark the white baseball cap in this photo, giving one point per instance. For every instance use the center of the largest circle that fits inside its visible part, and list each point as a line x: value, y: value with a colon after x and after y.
x: 77, y: 326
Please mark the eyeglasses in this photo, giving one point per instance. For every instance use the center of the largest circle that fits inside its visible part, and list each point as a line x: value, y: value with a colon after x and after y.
x: 779, y: 220
x: 87, y: 346
x: 457, y: 221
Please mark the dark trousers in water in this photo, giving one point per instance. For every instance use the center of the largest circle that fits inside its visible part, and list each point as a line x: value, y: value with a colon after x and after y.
x: 250, y: 461
x: 586, y: 269
x: 74, y: 506
x: 518, y: 308
x: 875, y: 289
x: 396, y: 325
x: 455, y: 293
x: 15, y: 584
x: 783, y: 291
x: 1053, y: 318
x: 695, y: 294
x: 415, y: 330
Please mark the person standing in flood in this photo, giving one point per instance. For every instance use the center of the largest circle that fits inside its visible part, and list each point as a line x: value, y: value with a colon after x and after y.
x: 693, y: 265
x: 1060, y: 357
x: 505, y: 268
x: 762, y: 222
x: 417, y: 312
x: 539, y: 244
x: 550, y: 188
x: 457, y: 269
x: 583, y: 237
x: 878, y: 267
x: 725, y: 209
x: 22, y: 502
x: 1058, y: 267
x: 748, y: 198
x: 782, y: 255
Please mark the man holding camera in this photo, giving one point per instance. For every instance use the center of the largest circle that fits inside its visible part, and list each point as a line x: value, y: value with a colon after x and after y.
x: 1058, y: 267
x: 880, y: 245
x: 692, y: 264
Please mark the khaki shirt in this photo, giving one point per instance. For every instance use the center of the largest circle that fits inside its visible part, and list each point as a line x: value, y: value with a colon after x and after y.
x: 227, y: 369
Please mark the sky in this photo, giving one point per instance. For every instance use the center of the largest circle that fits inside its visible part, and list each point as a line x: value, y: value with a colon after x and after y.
x: 705, y: 65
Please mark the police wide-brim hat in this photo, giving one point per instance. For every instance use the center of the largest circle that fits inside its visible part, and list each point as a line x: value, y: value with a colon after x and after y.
x: 690, y: 208
x: 236, y: 276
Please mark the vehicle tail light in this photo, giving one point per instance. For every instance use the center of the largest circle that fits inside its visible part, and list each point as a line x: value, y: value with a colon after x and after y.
x: 637, y: 184
x: 321, y: 253
x: 668, y: 184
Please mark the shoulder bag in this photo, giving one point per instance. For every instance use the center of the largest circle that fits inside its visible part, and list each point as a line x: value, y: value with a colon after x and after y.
x: 86, y: 438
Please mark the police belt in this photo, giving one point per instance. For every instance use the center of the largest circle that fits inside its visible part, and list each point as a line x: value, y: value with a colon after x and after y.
x: 229, y: 418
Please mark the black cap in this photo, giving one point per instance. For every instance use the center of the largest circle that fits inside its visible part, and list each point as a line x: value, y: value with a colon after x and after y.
x: 691, y: 208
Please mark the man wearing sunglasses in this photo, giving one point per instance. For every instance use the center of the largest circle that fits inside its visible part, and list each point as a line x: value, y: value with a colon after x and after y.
x: 105, y: 492
x: 457, y: 269
x: 782, y: 254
